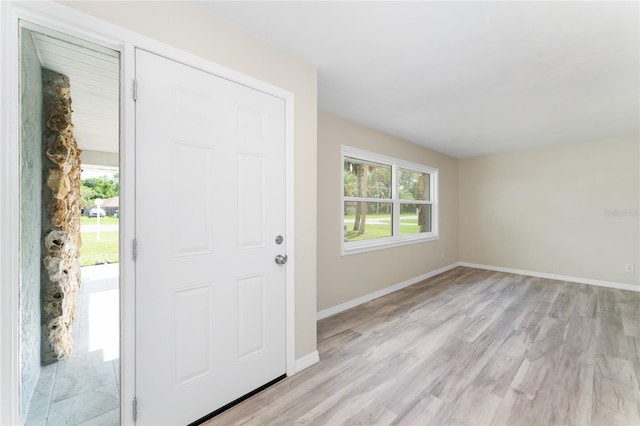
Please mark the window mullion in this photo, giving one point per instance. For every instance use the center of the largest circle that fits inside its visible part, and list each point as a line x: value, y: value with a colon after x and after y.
x: 395, y: 194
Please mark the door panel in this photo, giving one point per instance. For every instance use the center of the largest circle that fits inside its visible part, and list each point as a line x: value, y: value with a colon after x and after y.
x: 192, y: 351
x: 210, y: 300
x: 192, y: 227
x: 251, y: 201
x: 251, y: 320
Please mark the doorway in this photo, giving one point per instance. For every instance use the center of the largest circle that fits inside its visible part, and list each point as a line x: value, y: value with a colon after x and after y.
x: 68, y: 21
x: 69, y: 306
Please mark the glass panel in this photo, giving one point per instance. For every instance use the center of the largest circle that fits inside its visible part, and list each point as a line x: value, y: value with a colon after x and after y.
x: 415, y: 218
x: 365, y: 221
x: 414, y: 185
x: 366, y: 179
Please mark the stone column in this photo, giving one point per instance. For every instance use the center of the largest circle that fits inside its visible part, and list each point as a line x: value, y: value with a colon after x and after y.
x: 61, y: 219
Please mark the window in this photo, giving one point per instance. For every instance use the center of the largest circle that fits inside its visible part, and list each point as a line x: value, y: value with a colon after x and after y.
x: 386, y: 202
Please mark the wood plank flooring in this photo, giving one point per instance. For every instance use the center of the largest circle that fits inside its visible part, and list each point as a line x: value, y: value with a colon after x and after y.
x: 468, y: 347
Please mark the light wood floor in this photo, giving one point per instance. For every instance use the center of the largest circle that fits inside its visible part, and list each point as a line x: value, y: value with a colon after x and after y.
x: 468, y: 347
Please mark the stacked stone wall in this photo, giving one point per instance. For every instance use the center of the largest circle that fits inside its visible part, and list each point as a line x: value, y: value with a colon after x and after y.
x: 61, y: 221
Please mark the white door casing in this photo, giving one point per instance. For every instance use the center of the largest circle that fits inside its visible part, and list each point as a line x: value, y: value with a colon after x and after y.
x: 210, y: 201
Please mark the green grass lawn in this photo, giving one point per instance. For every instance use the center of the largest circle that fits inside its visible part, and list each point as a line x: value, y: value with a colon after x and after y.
x: 94, y: 251
x: 107, y: 220
x: 382, y: 226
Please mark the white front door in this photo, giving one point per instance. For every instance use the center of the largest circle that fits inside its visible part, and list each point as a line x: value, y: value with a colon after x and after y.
x: 210, y: 202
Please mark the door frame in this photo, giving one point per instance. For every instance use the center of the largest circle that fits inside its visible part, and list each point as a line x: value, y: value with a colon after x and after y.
x: 58, y: 17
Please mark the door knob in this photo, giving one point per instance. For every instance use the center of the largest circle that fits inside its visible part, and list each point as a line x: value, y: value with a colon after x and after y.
x: 281, y: 260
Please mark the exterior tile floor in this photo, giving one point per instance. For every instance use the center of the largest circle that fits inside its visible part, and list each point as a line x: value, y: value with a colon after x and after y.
x: 85, y: 389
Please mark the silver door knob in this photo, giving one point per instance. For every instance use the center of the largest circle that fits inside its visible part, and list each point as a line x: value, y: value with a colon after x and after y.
x: 281, y: 260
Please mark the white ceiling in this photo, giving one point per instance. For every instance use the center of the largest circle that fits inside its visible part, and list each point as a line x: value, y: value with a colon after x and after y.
x: 465, y: 78
x: 93, y: 73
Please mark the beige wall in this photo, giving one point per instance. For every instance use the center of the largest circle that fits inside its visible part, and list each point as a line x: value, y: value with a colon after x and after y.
x: 186, y: 26
x: 544, y: 210
x: 344, y: 278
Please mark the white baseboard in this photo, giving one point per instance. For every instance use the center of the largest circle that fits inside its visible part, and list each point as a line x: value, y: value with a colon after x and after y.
x: 368, y: 297
x: 610, y: 284
x: 307, y: 361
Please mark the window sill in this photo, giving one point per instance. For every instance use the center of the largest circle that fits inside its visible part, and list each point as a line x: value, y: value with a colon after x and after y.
x: 350, y: 248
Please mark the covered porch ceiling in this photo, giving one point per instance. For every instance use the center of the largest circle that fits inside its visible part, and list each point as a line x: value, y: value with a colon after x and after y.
x: 94, y: 73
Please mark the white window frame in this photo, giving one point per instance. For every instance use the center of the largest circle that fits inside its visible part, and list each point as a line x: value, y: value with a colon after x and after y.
x: 353, y: 247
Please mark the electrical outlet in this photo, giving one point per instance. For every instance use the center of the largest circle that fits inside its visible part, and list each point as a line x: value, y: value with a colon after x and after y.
x: 629, y: 267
